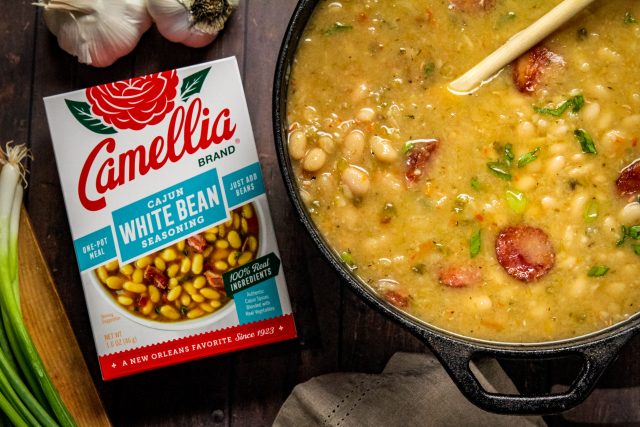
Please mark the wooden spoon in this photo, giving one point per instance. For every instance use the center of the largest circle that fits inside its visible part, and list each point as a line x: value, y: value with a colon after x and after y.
x: 516, y: 46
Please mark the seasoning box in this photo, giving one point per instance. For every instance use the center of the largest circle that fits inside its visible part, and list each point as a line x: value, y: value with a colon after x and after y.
x: 169, y: 218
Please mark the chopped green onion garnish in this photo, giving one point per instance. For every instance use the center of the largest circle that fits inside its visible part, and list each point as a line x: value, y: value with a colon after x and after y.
x: 634, y: 232
x: 591, y: 211
x: 624, y: 232
x: 347, y: 258
x: 586, y: 142
x: 337, y: 27
x: 598, y: 271
x: 508, y: 154
x: 529, y: 157
x: 636, y: 249
x: 429, y: 68
x: 500, y: 169
x: 407, y: 147
x: 517, y: 201
x: 475, y: 184
x: 629, y: 18
x: 474, y: 244
x: 575, y: 103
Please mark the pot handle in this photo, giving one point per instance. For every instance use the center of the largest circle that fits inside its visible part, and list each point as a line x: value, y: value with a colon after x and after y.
x: 456, y: 356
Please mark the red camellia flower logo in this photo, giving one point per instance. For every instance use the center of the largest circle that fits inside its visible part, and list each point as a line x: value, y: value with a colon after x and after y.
x: 135, y: 103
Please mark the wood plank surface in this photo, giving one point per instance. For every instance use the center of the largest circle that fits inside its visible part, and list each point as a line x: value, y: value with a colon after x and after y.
x: 52, y: 334
x: 338, y: 332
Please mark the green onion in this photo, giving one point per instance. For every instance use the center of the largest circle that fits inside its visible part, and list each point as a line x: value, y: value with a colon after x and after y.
x: 591, y: 211
x: 624, y: 232
x: 347, y: 258
x: 529, y: 157
x: 598, y: 271
x: 336, y: 28
x: 428, y: 69
x: 629, y: 18
x: 31, y: 403
x: 517, y: 201
x: 408, y: 146
x: 586, y: 142
x: 575, y: 103
x: 475, y: 183
x: 500, y: 169
x: 474, y: 244
x: 634, y: 232
x: 636, y: 249
x: 508, y: 154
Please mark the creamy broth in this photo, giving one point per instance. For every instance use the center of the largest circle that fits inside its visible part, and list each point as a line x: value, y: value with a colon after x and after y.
x: 368, y: 91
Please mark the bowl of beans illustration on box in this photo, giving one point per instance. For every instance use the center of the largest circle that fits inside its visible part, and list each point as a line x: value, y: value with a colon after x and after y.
x: 180, y: 286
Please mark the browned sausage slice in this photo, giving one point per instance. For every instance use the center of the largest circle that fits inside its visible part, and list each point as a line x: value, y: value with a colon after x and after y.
x: 417, y: 159
x: 525, y: 252
x: 473, y: 5
x: 396, y: 299
x: 197, y: 242
x: 459, y: 277
x: 529, y: 68
x: 628, y: 183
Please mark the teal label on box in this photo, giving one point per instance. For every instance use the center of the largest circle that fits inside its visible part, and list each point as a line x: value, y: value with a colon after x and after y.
x: 259, y: 302
x: 243, y: 185
x: 168, y: 215
x: 95, y: 248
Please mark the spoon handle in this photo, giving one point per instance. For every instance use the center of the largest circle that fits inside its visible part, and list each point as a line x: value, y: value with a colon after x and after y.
x: 517, y: 45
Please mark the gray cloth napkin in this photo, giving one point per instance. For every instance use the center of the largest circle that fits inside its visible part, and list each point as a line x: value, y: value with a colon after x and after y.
x: 413, y: 390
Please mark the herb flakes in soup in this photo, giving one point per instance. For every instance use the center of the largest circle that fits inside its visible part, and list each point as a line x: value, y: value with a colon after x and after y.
x: 508, y: 214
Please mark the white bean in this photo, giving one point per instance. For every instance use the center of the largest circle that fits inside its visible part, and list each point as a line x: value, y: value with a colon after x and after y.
x: 591, y: 111
x: 555, y: 164
x: 360, y: 92
x: 631, y: 122
x: 327, y: 144
x: 483, y: 302
x: 383, y: 150
x: 366, y: 115
x: 314, y: 160
x: 356, y: 180
x: 526, y: 129
x: 297, y: 144
x: 630, y: 214
x: 577, y: 205
x: 526, y: 183
x: 353, y: 147
x: 605, y: 120
x: 610, y: 138
x: 548, y: 202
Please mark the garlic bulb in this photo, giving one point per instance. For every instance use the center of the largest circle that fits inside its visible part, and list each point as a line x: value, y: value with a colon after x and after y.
x: 96, y: 31
x: 194, y: 23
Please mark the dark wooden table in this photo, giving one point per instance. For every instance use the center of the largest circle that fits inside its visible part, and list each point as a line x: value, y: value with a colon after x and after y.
x: 337, y: 331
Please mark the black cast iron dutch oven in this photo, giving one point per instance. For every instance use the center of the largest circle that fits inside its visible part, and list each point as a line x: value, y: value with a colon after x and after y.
x: 596, y: 350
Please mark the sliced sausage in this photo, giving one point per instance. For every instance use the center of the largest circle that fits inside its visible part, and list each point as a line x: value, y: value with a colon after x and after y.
x: 473, y: 5
x: 396, y: 299
x: 459, y: 277
x: 525, y: 252
x: 153, y: 276
x: 418, y: 158
x: 197, y: 242
x: 628, y: 183
x: 529, y: 69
